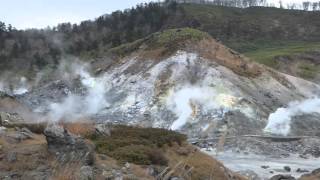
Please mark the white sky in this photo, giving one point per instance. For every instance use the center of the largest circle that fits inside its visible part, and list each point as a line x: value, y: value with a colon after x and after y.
x: 24, y: 14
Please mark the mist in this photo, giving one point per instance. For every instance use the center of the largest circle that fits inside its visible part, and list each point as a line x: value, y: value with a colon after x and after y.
x: 76, y: 106
x: 279, y: 121
x: 14, y: 85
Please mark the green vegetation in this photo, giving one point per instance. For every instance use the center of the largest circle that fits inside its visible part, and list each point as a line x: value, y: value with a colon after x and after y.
x: 137, y: 145
x: 170, y: 39
x: 308, y: 71
x: 247, y: 30
x: 177, y: 36
x: 267, y: 53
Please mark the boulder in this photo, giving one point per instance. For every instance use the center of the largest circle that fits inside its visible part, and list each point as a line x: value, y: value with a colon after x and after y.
x: 250, y: 175
x: 68, y: 147
x: 20, y: 135
x: 302, y: 170
x: 103, y: 129
x: 86, y: 173
x: 10, y: 119
x: 282, y: 177
x: 287, y: 168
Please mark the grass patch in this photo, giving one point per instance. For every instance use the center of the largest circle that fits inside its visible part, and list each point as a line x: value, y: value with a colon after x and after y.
x: 267, y: 53
x: 308, y: 71
x: 171, y: 40
x: 176, y: 36
x: 141, y: 146
x: 127, y: 48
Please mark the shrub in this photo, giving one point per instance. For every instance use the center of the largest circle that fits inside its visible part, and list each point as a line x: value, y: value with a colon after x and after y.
x: 137, y: 145
x: 157, y: 156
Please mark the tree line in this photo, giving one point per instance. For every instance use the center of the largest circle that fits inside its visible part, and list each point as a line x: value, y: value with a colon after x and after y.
x: 35, y: 49
x: 305, y: 5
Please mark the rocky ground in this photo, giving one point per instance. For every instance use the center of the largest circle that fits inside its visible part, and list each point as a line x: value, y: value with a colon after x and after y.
x: 56, y: 153
x: 264, y: 156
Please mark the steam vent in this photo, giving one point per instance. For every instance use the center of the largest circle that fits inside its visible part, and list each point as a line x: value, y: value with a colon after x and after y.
x: 165, y: 90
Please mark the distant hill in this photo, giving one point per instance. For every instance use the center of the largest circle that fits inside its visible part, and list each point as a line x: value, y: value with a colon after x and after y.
x: 247, y: 30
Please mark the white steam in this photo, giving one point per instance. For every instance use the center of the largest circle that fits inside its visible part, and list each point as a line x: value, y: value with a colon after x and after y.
x: 15, y: 85
x: 76, y: 106
x: 183, y: 100
x: 279, y: 121
x: 22, y: 87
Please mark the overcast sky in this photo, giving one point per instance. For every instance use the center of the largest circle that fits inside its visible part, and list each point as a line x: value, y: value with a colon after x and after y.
x: 24, y: 14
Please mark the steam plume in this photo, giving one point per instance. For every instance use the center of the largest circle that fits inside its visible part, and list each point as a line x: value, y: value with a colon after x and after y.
x: 206, y: 96
x: 279, y: 121
x: 76, y: 106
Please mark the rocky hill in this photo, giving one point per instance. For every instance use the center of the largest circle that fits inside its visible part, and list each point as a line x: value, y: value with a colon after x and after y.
x: 183, y: 80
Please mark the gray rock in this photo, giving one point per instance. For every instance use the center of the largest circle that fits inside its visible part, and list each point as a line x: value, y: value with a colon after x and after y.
x: 287, y: 168
x: 250, y: 174
x: 176, y: 178
x: 301, y: 170
x: 107, y: 175
x: 67, y: 146
x: 10, y: 119
x: 127, y: 165
x: 282, y: 177
x: 103, y: 129
x: 26, y: 132
x: 86, y: 173
x: 12, y: 157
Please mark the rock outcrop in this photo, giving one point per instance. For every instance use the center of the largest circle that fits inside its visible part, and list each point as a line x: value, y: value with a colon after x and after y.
x: 68, y: 147
x: 10, y: 119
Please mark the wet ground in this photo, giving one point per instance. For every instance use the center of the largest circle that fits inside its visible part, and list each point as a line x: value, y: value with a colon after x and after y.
x: 266, y: 167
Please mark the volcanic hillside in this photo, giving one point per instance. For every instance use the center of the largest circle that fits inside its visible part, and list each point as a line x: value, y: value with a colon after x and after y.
x: 180, y: 79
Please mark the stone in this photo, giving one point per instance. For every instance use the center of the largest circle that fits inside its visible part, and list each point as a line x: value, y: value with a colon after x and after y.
x: 12, y: 157
x: 287, y: 168
x: 26, y: 132
x: 250, y: 175
x: 282, y: 177
x: 68, y: 147
x: 10, y: 119
x: 303, y: 156
x: 103, y: 129
x: 107, y: 175
x: 86, y: 173
x: 265, y: 167
x: 127, y: 165
x: 301, y: 170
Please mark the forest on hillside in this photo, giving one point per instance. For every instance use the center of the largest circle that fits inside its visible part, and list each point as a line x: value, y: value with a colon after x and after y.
x: 35, y: 49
